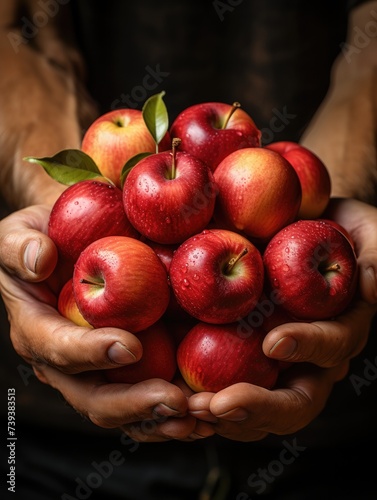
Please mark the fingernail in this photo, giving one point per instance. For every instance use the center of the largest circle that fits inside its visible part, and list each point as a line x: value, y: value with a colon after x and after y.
x: 284, y: 348
x: 162, y: 410
x: 118, y: 353
x: 236, y: 415
x: 31, y: 255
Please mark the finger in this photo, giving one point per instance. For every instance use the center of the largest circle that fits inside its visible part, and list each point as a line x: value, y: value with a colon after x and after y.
x: 202, y: 430
x: 324, y: 343
x: 156, y: 431
x: 25, y: 249
x: 367, y: 262
x: 284, y: 410
x: 199, y: 406
x: 361, y: 222
x: 58, y: 342
x: 116, y: 405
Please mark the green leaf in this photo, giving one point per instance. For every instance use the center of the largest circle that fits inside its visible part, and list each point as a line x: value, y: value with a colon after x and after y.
x: 156, y: 117
x: 130, y: 164
x: 68, y: 166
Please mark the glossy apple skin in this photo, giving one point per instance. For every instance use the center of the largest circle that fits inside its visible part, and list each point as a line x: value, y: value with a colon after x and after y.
x: 296, y: 264
x: 201, y: 283
x: 85, y: 212
x: 314, y: 177
x: 120, y: 282
x: 259, y: 193
x: 67, y: 306
x: 213, y: 357
x: 115, y: 137
x: 200, y: 129
x: 158, y: 359
x: 342, y: 229
x: 169, y: 210
x: 165, y: 253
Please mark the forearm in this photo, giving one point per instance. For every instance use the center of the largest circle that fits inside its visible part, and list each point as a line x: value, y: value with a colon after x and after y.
x: 41, y: 105
x: 343, y: 132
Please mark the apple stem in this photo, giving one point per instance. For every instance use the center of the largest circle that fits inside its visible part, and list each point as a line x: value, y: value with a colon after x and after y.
x: 233, y: 261
x: 332, y: 267
x: 174, y: 144
x: 235, y: 106
x: 89, y: 282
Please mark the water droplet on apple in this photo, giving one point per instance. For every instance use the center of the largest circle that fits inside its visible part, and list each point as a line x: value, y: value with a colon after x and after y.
x: 185, y: 283
x: 278, y: 242
x: 286, y: 268
x: 196, y: 277
x: 167, y: 220
x: 76, y: 202
x: 286, y: 249
x: 276, y: 283
x: 273, y: 268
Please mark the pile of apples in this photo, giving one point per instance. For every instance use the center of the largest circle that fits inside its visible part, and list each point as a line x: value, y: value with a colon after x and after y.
x: 197, y: 239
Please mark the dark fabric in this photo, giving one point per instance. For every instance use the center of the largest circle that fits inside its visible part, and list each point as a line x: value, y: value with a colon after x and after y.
x: 273, y: 56
x: 58, y: 466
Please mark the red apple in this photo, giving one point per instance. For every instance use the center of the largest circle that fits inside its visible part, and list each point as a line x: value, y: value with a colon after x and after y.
x: 217, y: 276
x: 267, y: 314
x: 169, y: 196
x: 313, y: 267
x: 67, y: 305
x: 259, y: 192
x: 212, y: 130
x: 158, y: 359
x: 313, y: 174
x: 342, y: 229
x: 85, y: 212
x: 165, y: 253
x: 213, y: 357
x: 115, y: 137
x: 120, y: 282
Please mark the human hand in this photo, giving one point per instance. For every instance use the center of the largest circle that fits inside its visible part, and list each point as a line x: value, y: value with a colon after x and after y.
x: 71, y: 358
x: 246, y: 412
x: 320, y: 350
x: 329, y: 343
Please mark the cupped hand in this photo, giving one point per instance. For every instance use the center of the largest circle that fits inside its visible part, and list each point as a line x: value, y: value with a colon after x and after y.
x: 329, y: 343
x: 29, y: 287
x: 69, y: 357
x: 320, y: 352
x: 245, y: 412
x: 150, y: 411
